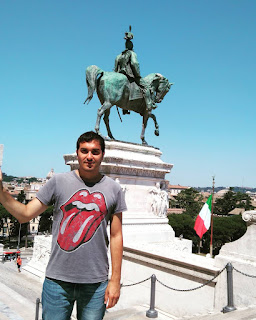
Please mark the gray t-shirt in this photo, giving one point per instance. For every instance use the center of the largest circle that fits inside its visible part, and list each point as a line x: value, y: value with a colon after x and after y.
x: 79, y: 231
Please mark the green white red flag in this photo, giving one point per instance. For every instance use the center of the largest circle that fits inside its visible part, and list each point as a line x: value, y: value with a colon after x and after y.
x: 203, y: 220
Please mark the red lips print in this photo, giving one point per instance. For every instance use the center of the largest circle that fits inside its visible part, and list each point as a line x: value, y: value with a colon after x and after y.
x: 82, y: 215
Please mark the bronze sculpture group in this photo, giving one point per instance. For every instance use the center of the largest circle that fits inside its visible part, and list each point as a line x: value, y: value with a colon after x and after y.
x: 126, y: 89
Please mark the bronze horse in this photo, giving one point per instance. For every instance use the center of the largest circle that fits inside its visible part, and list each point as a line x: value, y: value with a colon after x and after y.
x: 114, y: 89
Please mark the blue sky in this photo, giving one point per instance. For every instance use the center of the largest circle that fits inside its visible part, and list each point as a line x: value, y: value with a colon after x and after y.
x: 207, y: 48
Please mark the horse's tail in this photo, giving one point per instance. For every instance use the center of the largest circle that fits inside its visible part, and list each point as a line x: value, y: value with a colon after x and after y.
x: 92, y: 73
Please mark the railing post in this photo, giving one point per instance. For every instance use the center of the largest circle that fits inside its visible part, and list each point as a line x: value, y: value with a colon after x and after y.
x: 152, y: 313
x: 37, y: 308
x: 230, y: 306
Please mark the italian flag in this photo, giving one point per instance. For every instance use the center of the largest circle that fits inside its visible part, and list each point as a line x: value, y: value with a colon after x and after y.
x: 203, y: 220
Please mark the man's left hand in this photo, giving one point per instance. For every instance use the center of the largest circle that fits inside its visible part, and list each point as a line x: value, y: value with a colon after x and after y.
x: 112, y: 294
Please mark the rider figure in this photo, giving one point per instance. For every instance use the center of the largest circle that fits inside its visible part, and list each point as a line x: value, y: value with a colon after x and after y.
x: 127, y: 63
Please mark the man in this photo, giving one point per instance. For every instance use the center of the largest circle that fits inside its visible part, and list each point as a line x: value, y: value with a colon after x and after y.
x: 127, y: 64
x: 84, y: 202
x: 19, y: 262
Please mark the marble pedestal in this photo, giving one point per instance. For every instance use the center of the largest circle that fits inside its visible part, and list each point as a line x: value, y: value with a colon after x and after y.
x: 140, y: 171
x: 41, y: 254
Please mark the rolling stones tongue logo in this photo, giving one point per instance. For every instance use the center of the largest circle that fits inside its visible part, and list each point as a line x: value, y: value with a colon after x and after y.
x: 82, y: 215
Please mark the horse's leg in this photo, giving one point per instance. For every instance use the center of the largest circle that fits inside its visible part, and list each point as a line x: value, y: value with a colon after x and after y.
x: 151, y: 115
x: 106, y: 120
x: 144, y: 125
x: 106, y: 105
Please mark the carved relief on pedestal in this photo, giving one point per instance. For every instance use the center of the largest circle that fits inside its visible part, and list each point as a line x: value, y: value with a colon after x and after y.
x: 124, y: 188
x: 249, y: 216
x: 158, y: 201
x: 132, y: 171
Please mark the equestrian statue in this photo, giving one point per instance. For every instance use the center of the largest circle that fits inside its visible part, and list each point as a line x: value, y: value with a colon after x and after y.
x: 126, y: 89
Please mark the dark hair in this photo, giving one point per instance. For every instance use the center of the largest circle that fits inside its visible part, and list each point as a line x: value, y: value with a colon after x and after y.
x: 88, y: 137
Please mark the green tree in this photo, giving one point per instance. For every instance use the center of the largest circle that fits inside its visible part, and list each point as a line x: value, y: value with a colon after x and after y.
x: 224, y: 205
x: 230, y: 201
x: 45, y: 223
x: 7, y: 178
x: 225, y: 229
x: 190, y: 200
x: 17, y: 229
x: 21, y: 196
x: 243, y: 200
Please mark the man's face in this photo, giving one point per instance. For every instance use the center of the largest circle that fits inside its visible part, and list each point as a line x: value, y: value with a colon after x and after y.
x: 89, y: 156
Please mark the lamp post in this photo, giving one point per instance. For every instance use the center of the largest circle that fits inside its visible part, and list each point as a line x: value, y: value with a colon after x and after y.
x: 18, y: 247
x: 213, y: 183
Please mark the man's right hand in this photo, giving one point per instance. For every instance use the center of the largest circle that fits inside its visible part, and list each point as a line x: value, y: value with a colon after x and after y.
x: 23, y: 213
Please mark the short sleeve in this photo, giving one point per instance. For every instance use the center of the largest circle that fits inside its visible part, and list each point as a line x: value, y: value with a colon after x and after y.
x: 120, y: 202
x: 47, y: 192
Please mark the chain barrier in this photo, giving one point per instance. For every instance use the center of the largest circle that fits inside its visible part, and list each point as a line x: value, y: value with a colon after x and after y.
x: 134, y: 284
x: 244, y: 274
x: 204, y: 284
x: 152, y: 313
x: 192, y: 289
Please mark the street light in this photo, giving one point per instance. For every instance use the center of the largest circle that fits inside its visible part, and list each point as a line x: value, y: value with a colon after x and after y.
x: 18, y: 247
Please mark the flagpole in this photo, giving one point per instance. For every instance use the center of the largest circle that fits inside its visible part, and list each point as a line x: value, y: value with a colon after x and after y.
x: 213, y: 182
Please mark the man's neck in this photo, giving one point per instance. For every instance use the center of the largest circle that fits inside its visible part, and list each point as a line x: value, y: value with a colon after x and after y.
x: 90, y: 178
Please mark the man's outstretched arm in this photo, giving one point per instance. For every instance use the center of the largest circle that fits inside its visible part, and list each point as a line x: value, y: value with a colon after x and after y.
x: 112, y: 293
x: 23, y: 213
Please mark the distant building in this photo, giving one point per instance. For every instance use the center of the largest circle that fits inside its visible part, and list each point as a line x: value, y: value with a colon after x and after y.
x: 221, y: 193
x: 50, y: 174
x: 33, y: 225
x: 237, y: 211
x: 4, y: 232
x: 252, y: 195
x: 32, y: 189
x: 174, y: 190
x: 175, y: 211
x: 205, y: 195
x: 31, y: 192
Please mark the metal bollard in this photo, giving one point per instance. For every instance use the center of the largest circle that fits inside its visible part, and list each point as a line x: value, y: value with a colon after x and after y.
x: 152, y: 313
x: 230, y: 306
x: 37, y: 308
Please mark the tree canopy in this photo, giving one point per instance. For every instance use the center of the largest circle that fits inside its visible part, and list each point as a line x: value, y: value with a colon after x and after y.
x: 45, y: 223
x: 190, y: 200
x: 226, y: 228
x: 230, y: 201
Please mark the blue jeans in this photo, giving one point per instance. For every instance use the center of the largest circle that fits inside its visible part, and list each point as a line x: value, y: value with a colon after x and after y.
x: 58, y: 299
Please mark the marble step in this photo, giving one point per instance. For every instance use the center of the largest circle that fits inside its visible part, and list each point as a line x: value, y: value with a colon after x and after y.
x: 135, y: 313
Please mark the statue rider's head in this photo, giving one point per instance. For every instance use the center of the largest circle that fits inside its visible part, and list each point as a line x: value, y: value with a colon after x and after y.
x: 128, y: 37
x: 128, y: 44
